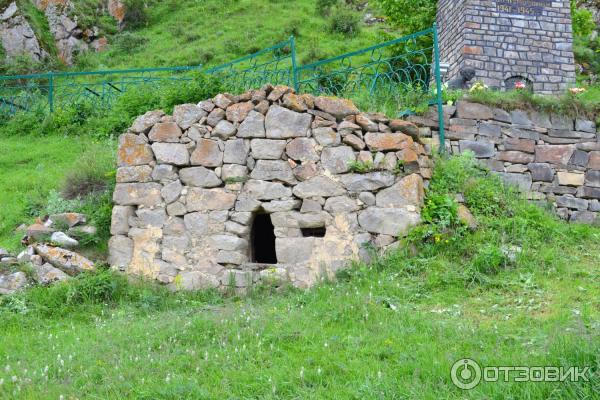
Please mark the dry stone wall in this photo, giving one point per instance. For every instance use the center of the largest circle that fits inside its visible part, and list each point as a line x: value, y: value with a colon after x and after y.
x: 553, y: 158
x: 241, y: 189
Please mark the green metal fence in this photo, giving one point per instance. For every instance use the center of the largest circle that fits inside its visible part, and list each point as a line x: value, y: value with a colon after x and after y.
x: 402, y: 71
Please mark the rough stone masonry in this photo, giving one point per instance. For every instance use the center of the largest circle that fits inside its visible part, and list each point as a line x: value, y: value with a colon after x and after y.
x: 262, y: 186
x: 508, y: 41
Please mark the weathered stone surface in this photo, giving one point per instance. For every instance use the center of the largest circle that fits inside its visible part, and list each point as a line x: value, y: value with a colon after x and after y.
x: 273, y: 170
x: 294, y: 250
x: 262, y: 190
x: 229, y: 242
x: 326, y: 136
x: 554, y: 154
x: 165, y: 132
x: 65, y: 260
x: 215, y: 117
x: 541, y: 172
x: 139, y: 173
x: 63, y: 240
x: 224, y: 130
x: 12, y: 283
x: 341, y: 204
x: 367, y: 182
x: 521, y: 182
x: 481, y: 149
x: 354, y: 141
x: 69, y: 219
x: 150, y: 217
x: 408, y: 191
x: 120, y: 249
x: 253, y: 126
x: 120, y: 219
x: 282, y: 123
x: 129, y: 194
x: 570, y: 178
x: 584, y: 217
x: 592, y: 178
x: 302, y: 149
x: 133, y: 150
x: 186, y: 115
x: 406, y: 127
x: 466, y: 217
x: 195, y: 280
x: 584, y: 125
x: 570, y: 201
x: 222, y: 100
x: 238, y: 112
x: 143, y: 123
x: 594, y: 162
x: 517, y: 157
x: 234, y: 172
x: 590, y: 192
x: 39, y: 231
x: 209, y: 199
x: 468, y: 110
x: 387, y: 141
x: 236, y: 152
x: 337, y: 159
x: 388, y: 221
x: 367, y: 198
x: 172, y: 191
x: 267, y: 149
x: 47, y: 274
x: 197, y: 224
x: 339, y: 108
x: 318, y: 186
x: 164, y: 172
x: 366, y: 123
x: 207, y: 154
x: 171, y: 153
x: 579, y: 158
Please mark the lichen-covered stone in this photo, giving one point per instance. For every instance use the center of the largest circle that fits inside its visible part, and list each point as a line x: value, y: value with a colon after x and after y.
x: 282, y: 123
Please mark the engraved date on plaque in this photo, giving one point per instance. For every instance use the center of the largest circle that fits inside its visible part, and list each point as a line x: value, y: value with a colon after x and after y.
x: 523, y: 7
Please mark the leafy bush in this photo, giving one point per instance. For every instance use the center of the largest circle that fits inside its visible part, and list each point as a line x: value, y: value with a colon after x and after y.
x: 345, y: 22
x: 128, y: 42
x: 324, y: 7
x: 136, y: 15
x: 583, y: 20
x: 410, y: 15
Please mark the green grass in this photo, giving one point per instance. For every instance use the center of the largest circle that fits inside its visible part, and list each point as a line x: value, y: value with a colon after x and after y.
x: 391, y: 329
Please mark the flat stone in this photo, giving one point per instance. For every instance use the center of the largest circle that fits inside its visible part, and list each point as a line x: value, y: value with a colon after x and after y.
x: 554, y: 154
x: 520, y: 118
x: 354, y: 141
x: 282, y: 123
x: 592, y: 178
x: 129, y: 194
x: 294, y: 102
x: 171, y: 191
x: 580, y: 158
x: 253, y: 126
x: 408, y: 191
x: 69, y: 219
x: 515, y: 144
x: 120, y: 250
x: 521, y: 182
x: 171, y: 153
x: 228, y: 242
x: 489, y: 129
x: 164, y: 172
x: 584, y: 217
x: 584, y: 125
x: 223, y: 130
x: 238, y: 112
x: 47, y: 274
x: 12, y: 283
x: 339, y: 108
x: 267, y: 149
x: 65, y: 260
x: 590, y: 192
x: 302, y: 149
x: 367, y: 198
x: 318, y: 186
x: 337, y: 159
x: 594, y: 162
x: 151, y: 217
x: 227, y: 257
x: 262, y: 190
x: 165, y: 132
x: 517, y: 157
x: 294, y: 250
x: 570, y: 201
x: 207, y: 154
x: 273, y: 170
x: 326, y: 136
x: 133, y: 150
x: 138, y: 173
x: 563, y: 122
x: 199, y: 177
x: 186, y: 115
x: 143, y: 123
x: 306, y: 171
x: 481, y: 149
x: 570, y: 178
x: 195, y: 280
x: 234, y: 172
x: 367, y: 182
x: 120, y: 219
x: 281, y: 205
x: 199, y: 199
x: 63, y: 240
x: 366, y: 123
x: 541, y: 172
x: 388, y: 221
x: 341, y: 204
x: 406, y: 127
x: 387, y: 141
x: 236, y: 152
x: 468, y: 110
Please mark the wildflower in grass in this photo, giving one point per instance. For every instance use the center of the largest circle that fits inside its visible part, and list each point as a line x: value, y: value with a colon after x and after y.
x: 520, y: 85
x: 577, y: 91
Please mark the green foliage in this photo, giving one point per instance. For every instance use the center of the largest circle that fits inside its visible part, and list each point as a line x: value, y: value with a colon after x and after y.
x: 441, y: 210
x: 361, y: 167
x: 583, y: 20
x: 410, y: 15
x: 324, y: 7
x: 345, y: 21
x: 136, y: 14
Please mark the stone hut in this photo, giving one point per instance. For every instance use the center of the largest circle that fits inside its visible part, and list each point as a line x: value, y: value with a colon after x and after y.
x: 266, y: 185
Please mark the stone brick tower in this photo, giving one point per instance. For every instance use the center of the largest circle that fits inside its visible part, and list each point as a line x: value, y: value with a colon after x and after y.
x: 507, y: 41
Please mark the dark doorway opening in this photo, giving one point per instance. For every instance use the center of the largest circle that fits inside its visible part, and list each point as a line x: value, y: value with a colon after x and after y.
x: 262, y: 237
x: 313, y: 232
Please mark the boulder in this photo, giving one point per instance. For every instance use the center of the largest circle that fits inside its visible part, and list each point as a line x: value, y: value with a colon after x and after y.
x: 47, y: 274
x: 133, y: 150
x: 165, y: 132
x: 207, y: 154
x: 63, y: 240
x: 388, y: 221
x: 408, y: 191
x: 282, y: 123
x: 65, y: 260
x: 171, y: 153
x: 186, y: 115
x: 12, y: 283
x: 69, y: 219
x: 337, y: 107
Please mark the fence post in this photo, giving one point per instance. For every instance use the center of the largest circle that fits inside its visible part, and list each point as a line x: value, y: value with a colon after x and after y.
x: 438, y: 84
x: 294, y: 66
x: 51, y: 91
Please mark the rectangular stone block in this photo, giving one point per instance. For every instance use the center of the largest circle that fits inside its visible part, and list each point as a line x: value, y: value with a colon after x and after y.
x: 554, y: 154
x: 481, y: 148
x: 517, y: 157
x: 570, y: 178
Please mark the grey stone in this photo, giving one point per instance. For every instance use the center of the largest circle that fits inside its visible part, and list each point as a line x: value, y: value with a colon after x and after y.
x: 262, y: 190
x: 231, y: 257
x: 120, y: 219
x: 318, y: 186
x: 146, y: 194
x: 243, y: 218
x: 302, y: 149
x: 388, y: 221
x: 570, y: 201
x: 143, y: 123
x: 200, y: 199
x: 522, y: 182
x: 185, y: 115
x: 294, y: 250
x: 195, y: 280
x: 215, y: 117
x: 310, y: 206
x: 222, y: 100
x: 154, y: 217
x: 592, y: 178
x: 139, y: 173
x: 585, y: 125
x: 341, y: 204
x: 236, y: 229
x: 196, y: 223
x: 63, y: 240
x: 354, y: 141
x: 12, y: 283
x: 594, y: 205
x: 408, y: 191
x: 171, y: 153
x: 253, y: 126
x: 273, y: 170
x: 367, y: 182
x: 234, y: 172
x: 482, y: 149
x: 520, y: 118
x: 164, y: 172
x: 171, y: 191
x: 199, y: 177
x: 228, y: 242
x: 541, y: 172
x: 236, y: 152
x: 337, y: 159
x: 65, y: 260
x: 468, y: 110
x: 120, y: 250
x: 207, y: 153
x: 176, y: 209
x: 267, y: 149
x: 590, y: 192
x: 282, y: 123
x: 579, y: 158
x: 367, y: 198
x: 584, y: 217
x: 224, y: 130
x: 326, y: 136
x: 281, y: 205
x: 47, y: 274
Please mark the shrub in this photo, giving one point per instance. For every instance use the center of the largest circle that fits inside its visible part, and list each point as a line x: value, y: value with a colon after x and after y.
x: 345, y: 22
x: 136, y: 15
x: 324, y: 7
x: 88, y: 175
x: 128, y: 42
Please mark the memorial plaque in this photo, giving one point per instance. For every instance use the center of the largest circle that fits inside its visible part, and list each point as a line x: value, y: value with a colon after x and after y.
x: 523, y: 7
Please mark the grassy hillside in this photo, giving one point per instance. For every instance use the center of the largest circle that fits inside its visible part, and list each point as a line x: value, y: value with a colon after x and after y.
x: 389, y: 330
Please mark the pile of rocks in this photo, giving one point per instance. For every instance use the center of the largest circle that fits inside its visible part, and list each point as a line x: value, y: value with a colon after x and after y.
x: 191, y: 186
x: 48, y: 262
